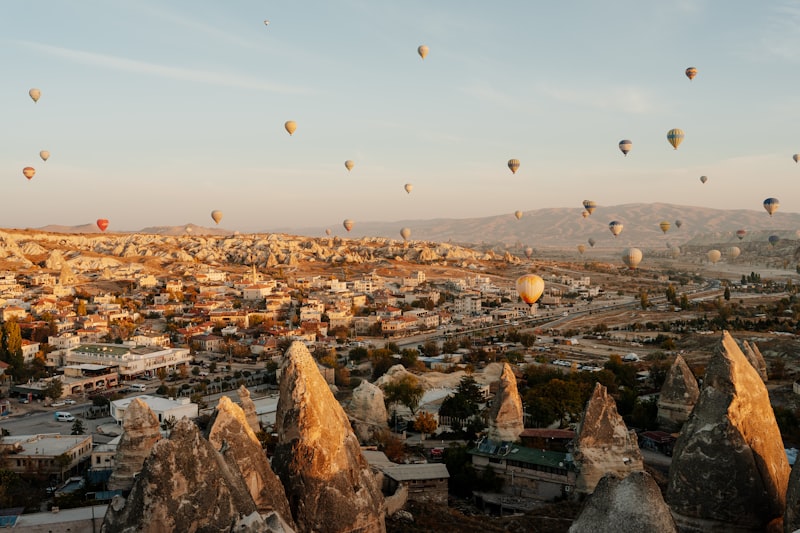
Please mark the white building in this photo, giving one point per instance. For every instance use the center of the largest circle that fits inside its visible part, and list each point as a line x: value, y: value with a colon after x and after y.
x: 163, y: 408
x: 132, y: 361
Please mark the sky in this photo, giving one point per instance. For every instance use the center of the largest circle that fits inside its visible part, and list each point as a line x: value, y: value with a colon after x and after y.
x: 156, y: 113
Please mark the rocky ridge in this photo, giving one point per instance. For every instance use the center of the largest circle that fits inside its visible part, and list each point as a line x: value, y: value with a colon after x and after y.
x: 506, y: 415
x: 678, y: 395
x: 141, y: 431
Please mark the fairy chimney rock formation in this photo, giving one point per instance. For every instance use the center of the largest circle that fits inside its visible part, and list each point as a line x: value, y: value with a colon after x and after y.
x: 328, y: 482
x: 791, y: 517
x: 753, y: 355
x: 141, y: 431
x: 185, y: 485
x: 678, y: 395
x: 231, y: 432
x: 367, y: 411
x: 506, y: 416
x: 249, y: 409
x: 603, y: 443
x: 729, y: 470
x: 629, y: 505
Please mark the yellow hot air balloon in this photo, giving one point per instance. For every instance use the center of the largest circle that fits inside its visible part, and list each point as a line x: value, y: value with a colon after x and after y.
x: 35, y: 94
x: 664, y: 225
x: 530, y: 287
x: 518, y: 214
x: 349, y: 164
x: 796, y: 157
x: 714, y: 255
x: 590, y: 206
x: 45, y: 155
x: 675, y: 137
x: 615, y: 227
x: 632, y: 257
x: 216, y: 215
x: 733, y: 252
x: 348, y: 224
x: 771, y: 205
x: 405, y: 233
x: 691, y: 72
x: 408, y: 187
x: 290, y: 126
x: 28, y: 172
x: 581, y: 249
x: 513, y: 164
x: 423, y: 51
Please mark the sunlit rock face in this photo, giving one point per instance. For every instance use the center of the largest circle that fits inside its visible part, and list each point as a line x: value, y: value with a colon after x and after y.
x: 678, y: 395
x: 633, y: 504
x: 506, y: 416
x: 753, y: 354
x: 367, y: 411
x: 729, y: 470
x: 603, y: 443
x: 327, y: 480
x: 185, y: 485
x: 249, y: 408
x: 230, y: 432
x: 141, y: 431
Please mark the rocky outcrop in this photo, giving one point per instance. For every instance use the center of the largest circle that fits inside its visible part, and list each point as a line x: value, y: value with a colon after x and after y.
x: 328, y: 482
x: 791, y: 517
x: 367, y: 411
x: 603, y: 443
x: 729, y: 470
x: 231, y: 433
x: 506, y: 416
x: 678, y: 395
x: 633, y: 504
x: 753, y: 355
x: 141, y: 431
x: 249, y: 409
x: 185, y: 485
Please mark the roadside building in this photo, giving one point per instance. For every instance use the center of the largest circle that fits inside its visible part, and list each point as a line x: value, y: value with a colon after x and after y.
x: 163, y: 408
x: 132, y: 361
x: 39, y: 454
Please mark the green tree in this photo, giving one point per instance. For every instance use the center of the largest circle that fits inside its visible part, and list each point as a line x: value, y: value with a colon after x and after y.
x: 11, y: 348
x: 54, y: 389
x: 77, y: 427
x: 406, y: 391
x: 465, y: 401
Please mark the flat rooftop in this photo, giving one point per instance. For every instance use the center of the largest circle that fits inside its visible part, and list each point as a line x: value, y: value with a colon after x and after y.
x: 65, y: 516
x: 48, y: 444
x: 156, y: 403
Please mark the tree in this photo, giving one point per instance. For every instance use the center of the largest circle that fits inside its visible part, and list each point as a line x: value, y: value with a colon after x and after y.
x: 643, y: 299
x: 671, y: 295
x: 406, y: 391
x: 465, y: 402
x: 54, y: 389
x: 727, y: 294
x: 77, y: 427
x: 11, y: 348
x: 430, y: 348
x: 161, y: 373
x: 425, y: 423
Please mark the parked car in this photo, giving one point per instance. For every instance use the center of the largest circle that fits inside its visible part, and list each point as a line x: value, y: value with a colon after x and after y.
x: 70, y: 401
x: 24, y: 399
x: 64, y: 417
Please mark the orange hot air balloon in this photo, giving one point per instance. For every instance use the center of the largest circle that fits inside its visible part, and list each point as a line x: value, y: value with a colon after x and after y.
x: 530, y: 287
x: 518, y: 214
x: 691, y: 72
x: 290, y: 126
x: 35, y: 94
x: 585, y: 214
x: 664, y: 225
x: 216, y: 215
x: 423, y: 51
x: 28, y: 172
x: 102, y: 223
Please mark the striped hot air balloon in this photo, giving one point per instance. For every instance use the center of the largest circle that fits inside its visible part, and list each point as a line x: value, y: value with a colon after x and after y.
x: 625, y: 146
x: 615, y: 226
x: 590, y: 206
x: 691, y: 72
x: 675, y: 137
x: 632, y: 257
x: 513, y: 165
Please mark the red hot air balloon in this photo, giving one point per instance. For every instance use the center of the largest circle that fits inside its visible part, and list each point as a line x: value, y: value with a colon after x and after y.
x: 102, y: 223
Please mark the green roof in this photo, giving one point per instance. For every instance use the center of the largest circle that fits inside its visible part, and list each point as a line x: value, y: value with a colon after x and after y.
x: 523, y: 454
x: 105, y: 349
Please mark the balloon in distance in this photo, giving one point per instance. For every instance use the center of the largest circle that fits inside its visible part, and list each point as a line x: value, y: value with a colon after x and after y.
x: 28, y: 172
x: 405, y: 233
x: 590, y: 206
x: 102, y: 223
x: 773, y: 239
x: 625, y: 146
x: 703, y: 179
x: 581, y: 249
x: 528, y: 252
x: 423, y: 50
x: 615, y: 227
x: 408, y: 187
x: 691, y: 72
x: 348, y: 224
x: 733, y: 252
x: 35, y: 94
x: 513, y: 165
x: 675, y: 137
x: 740, y: 234
x: 530, y: 287
x: 632, y: 257
x: 664, y: 225
x: 518, y: 214
x: 678, y: 223
x: 714, y: 255
x: 216, y: 216
x: 349, y: 164
x: 290, y: 126
x: 771, y: 205
x: 591, y: 242
x: 45, y: 155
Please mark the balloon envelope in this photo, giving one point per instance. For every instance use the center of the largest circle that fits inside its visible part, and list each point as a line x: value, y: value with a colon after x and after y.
x: 528, y: 252
x: 773, y: 239
x: 615, y: 227
x: 348, y: 224
x: 703, y: 179
x: 591, y: 242
x: 45, y: 155
x: 28, y: 172
x: 216, y: 215
x: 408, y: 187
x: 714, y: 255
x: 530, y: 287
x: 518, y: 214
x: 733, y: 252
x: 632, y: 257
x: 35, y: 94
x: 585, y: 213
x: 691, y: 72
x: 513, y: 164
x: 102, y: 223
x: 423, y: 51
x: 679, y: 223
x: 625, y: 146
x: 328, y: 231
x: 581, y: 249
x: 771, y: 205
x: 664, y: 225
x: 290, y: 126
x: 796, y: 157
x: 589, y: 205
x: 349, y: 164
x: 405, y: 233
x: 675, y: 137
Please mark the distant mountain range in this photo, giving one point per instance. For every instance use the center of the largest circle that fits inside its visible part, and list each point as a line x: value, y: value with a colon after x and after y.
x: 554, y: 227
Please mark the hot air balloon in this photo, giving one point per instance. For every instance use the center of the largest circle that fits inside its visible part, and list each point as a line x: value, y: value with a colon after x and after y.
x: 266, y: 22
x: 581, y: 249
x: 348, y: 224
x: 675, y: 137
x: 678, y: 223
x: 625, y: 146
x: 632, y: 257
x: 585, y: 213
x: 518, y: 214
x: 45, y: 155
x: 28, y: 172
x: 615, y: 226
x: 773, y: 239
x: 290, y: 126
x: 423, y: 51
x: 771, y: 205
x: 591, y: 242
x: 796, y: 157
x: 528, y: 252
x: 35, y: 94
x: 216, y: 215
x: 733, y: 252
x: 664, y: 225
x: 589, y: 205
x: 714, y: 255
x: 405, y: 233
x: 102, y: 223
x: 530, y: 287
x: 408, y: 187
x: 703, y: 179
x: 513, y: 164
x: 349, y: 164
x: 741, y: 233
x: 327, y: 231
x: 691, y: 72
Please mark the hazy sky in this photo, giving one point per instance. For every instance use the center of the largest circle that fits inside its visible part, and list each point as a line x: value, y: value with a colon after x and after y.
x: 156, y: 113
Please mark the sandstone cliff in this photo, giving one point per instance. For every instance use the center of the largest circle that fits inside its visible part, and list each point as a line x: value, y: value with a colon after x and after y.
x: 753, y: 355
x: 141, y: 431
x: 603, y: 443
x: 367, y: 411
x: 506, y: 415
x: 678, y: 395
x: 328, y: 482
x: 249, y: 409
x: 633, y: 504
x: 729, y: 470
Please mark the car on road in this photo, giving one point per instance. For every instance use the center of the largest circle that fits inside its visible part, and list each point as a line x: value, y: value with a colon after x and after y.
x: 57, y: 404
x: 70, y: 401
x: 64, y: 417
x: 24, y: 400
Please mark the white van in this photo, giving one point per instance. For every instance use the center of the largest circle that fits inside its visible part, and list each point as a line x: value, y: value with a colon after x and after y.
x: 138, y: 387
x: 64, y: 417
